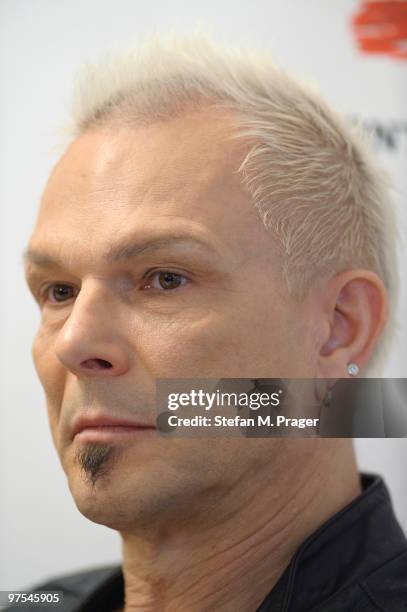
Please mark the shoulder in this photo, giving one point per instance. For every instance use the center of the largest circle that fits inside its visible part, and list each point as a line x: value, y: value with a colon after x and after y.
x: 76, y: 587
x: 388, y: 584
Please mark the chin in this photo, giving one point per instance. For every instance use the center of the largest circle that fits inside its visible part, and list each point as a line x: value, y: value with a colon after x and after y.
x: 116, y: 499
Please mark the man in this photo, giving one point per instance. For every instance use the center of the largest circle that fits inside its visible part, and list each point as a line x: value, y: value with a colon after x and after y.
x: 213, y: 218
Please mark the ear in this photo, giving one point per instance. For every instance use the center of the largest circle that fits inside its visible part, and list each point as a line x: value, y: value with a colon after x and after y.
x: 356, y: 309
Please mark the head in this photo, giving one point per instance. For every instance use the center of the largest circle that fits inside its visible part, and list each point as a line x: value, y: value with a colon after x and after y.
x: 210, y: 218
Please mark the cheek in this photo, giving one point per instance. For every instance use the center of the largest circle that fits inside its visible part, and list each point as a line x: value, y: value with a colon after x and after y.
x: 272, y: 333
x: 51, y: 374
x: 236, y: 342
x: 184, y: 346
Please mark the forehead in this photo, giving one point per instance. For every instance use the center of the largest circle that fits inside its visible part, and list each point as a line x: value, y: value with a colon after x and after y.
x: 178, y: 171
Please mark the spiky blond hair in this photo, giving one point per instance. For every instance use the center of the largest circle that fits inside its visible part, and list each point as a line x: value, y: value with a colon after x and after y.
x: 311, y: 175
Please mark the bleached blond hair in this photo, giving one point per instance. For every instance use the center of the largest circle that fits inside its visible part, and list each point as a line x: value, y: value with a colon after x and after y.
x: 311, y: 175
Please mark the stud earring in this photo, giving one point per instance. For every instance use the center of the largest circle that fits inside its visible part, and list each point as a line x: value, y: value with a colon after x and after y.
x: 353, y: 369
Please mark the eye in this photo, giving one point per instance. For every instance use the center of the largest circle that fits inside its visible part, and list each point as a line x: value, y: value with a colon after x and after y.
x: 59, y: 292
x: 165, y: 279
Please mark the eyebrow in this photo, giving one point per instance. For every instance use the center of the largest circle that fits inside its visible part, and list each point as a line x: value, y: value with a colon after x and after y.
x: 123, y: 252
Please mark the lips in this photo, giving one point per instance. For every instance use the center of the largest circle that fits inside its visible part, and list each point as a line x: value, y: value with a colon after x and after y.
x: 107, y: 423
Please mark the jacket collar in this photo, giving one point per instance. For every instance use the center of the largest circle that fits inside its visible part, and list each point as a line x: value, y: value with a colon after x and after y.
x: 346, y: 547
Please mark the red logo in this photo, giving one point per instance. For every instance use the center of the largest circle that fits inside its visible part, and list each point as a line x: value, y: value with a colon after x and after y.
x: 381, y: 27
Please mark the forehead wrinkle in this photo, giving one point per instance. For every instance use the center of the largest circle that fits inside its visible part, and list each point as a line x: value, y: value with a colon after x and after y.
x: 122, y: 252
x: 128, y: 249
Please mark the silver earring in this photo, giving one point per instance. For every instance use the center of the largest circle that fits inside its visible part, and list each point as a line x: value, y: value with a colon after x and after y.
x: 353, y: 369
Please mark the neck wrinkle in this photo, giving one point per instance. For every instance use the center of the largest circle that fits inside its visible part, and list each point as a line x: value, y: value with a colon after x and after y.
x: 235, y: 560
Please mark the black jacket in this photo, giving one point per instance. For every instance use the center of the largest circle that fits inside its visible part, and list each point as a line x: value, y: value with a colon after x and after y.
x: 355, y: 562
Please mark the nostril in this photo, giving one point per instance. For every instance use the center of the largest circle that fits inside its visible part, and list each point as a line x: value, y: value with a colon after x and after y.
x: 96, y: 364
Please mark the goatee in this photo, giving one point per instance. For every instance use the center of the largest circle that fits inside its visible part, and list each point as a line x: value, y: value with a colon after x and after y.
x: 94, y: 461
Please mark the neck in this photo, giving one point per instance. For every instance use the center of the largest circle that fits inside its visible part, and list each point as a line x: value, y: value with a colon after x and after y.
x: 231, y: 558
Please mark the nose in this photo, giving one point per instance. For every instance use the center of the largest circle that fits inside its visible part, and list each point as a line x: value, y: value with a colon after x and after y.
x: 90, y: 342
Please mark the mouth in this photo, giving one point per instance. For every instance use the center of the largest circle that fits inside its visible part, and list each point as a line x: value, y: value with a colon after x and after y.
x: 100, y: 428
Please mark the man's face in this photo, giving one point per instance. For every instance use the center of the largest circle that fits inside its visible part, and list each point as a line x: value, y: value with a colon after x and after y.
x: 114, y: 321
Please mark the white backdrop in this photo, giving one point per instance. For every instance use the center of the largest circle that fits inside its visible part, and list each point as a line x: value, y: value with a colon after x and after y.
x: 42, y: 44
